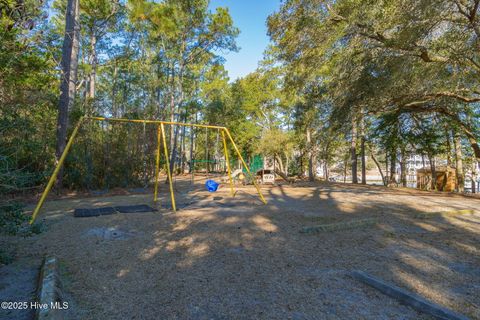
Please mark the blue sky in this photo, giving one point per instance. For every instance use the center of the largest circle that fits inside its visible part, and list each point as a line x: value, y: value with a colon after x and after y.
x: 250, y: 17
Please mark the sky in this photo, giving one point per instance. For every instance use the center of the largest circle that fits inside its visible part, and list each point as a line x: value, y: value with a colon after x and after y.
x: 250, y: 17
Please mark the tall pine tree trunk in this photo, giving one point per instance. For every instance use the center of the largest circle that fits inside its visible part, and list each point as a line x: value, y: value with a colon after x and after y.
x: 311, y: 173
x: 69, y: 77
x: 172, y: 109
x: 362, y: 149
x: 114, y: 91
x: 175, y: 132
x: 93, y: 65
x: 353, y: 151
x: 459, y: 163
x: 192, y: 144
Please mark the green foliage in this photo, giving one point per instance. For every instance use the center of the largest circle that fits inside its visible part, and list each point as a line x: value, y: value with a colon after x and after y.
x: 335, y: 71
x: 12, y: 218
x: 13, y: 221
x: 412, y: 71
x: 27, y: 91
x: 276, y: 142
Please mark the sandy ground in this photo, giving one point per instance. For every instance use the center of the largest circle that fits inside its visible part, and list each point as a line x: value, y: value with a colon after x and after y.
x: 234, y: 258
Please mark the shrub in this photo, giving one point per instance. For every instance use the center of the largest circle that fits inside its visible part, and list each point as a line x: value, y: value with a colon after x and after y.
x: 12, y: 218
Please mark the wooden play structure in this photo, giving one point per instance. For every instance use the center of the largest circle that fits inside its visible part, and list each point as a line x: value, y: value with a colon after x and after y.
x: 161, y: 142
x: 446, y: 179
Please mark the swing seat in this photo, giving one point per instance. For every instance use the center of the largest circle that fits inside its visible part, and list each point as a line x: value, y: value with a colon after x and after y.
x: 211, y: 185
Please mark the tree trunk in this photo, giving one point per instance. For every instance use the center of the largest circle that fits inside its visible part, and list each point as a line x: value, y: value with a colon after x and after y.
x: 474, y: 175
x: 325, y: 164
x: 403, y: 168
x: 174, y: 142
x: 434, y: 172
x: 362, y: 149
x: 93, y: 65
x: 207, y: 154
x: 172, y: 110
x: 284, y: 176
x: 459, y: 163
x: 379, y: 168
x: 469, y: 133
x: 182, y: 151
x: 217, y: 156
x: 287, y: 162
x: 393, y: 167
x: 69, y: 77
x: 311, y: 173
x: 387, y: 177
x: 301, y: 165
x: 448, y: 146
x: 114, y: 91
x: 326, y: 173
x: 279, y: 160
x: 173, y: 156
x: 192, y: 144
x: 353, y: 151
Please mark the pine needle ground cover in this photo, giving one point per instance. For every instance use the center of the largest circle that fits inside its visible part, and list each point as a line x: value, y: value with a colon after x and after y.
x: 249, y: 261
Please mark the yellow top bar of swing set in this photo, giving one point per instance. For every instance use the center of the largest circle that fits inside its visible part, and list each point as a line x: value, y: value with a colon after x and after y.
x: 154, y: 122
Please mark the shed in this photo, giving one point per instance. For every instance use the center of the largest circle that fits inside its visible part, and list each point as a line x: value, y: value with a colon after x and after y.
x: 446, y: 178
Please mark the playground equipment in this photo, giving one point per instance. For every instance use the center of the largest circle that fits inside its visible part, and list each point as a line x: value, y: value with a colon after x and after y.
x: 161, y: 140
x: 211, y: 185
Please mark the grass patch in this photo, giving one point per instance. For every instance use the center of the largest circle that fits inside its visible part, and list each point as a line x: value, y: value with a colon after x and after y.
x: 353, y: 224
x: 427, y: 215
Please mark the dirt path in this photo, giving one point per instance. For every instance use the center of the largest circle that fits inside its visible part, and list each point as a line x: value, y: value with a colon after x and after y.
x: 237, y: 259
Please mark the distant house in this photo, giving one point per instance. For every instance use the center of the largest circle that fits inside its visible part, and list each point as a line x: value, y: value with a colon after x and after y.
x: 446, y: 178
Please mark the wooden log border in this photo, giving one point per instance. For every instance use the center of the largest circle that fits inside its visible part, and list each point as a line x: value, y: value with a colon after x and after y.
x: 408, y: 298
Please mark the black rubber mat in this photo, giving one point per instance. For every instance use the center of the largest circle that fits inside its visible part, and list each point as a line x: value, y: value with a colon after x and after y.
x: 85, y: 213
x: 107, y: 211
x: 95, y: 212
x: 135, y: 209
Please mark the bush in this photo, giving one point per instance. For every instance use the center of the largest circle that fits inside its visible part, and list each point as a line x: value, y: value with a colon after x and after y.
x: 12, y: 218
x: 13, y: 221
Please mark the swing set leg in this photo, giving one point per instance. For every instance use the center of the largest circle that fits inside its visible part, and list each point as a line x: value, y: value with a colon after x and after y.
x: 54, y: 175
x: 172, y: 196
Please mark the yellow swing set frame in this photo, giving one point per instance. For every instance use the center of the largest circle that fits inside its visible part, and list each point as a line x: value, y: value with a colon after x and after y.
x: 161, y: 139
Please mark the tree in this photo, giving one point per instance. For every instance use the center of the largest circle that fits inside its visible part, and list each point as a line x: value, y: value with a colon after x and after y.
x: 68, y: 82
x: 97, y: 17
x: 186, y: 34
